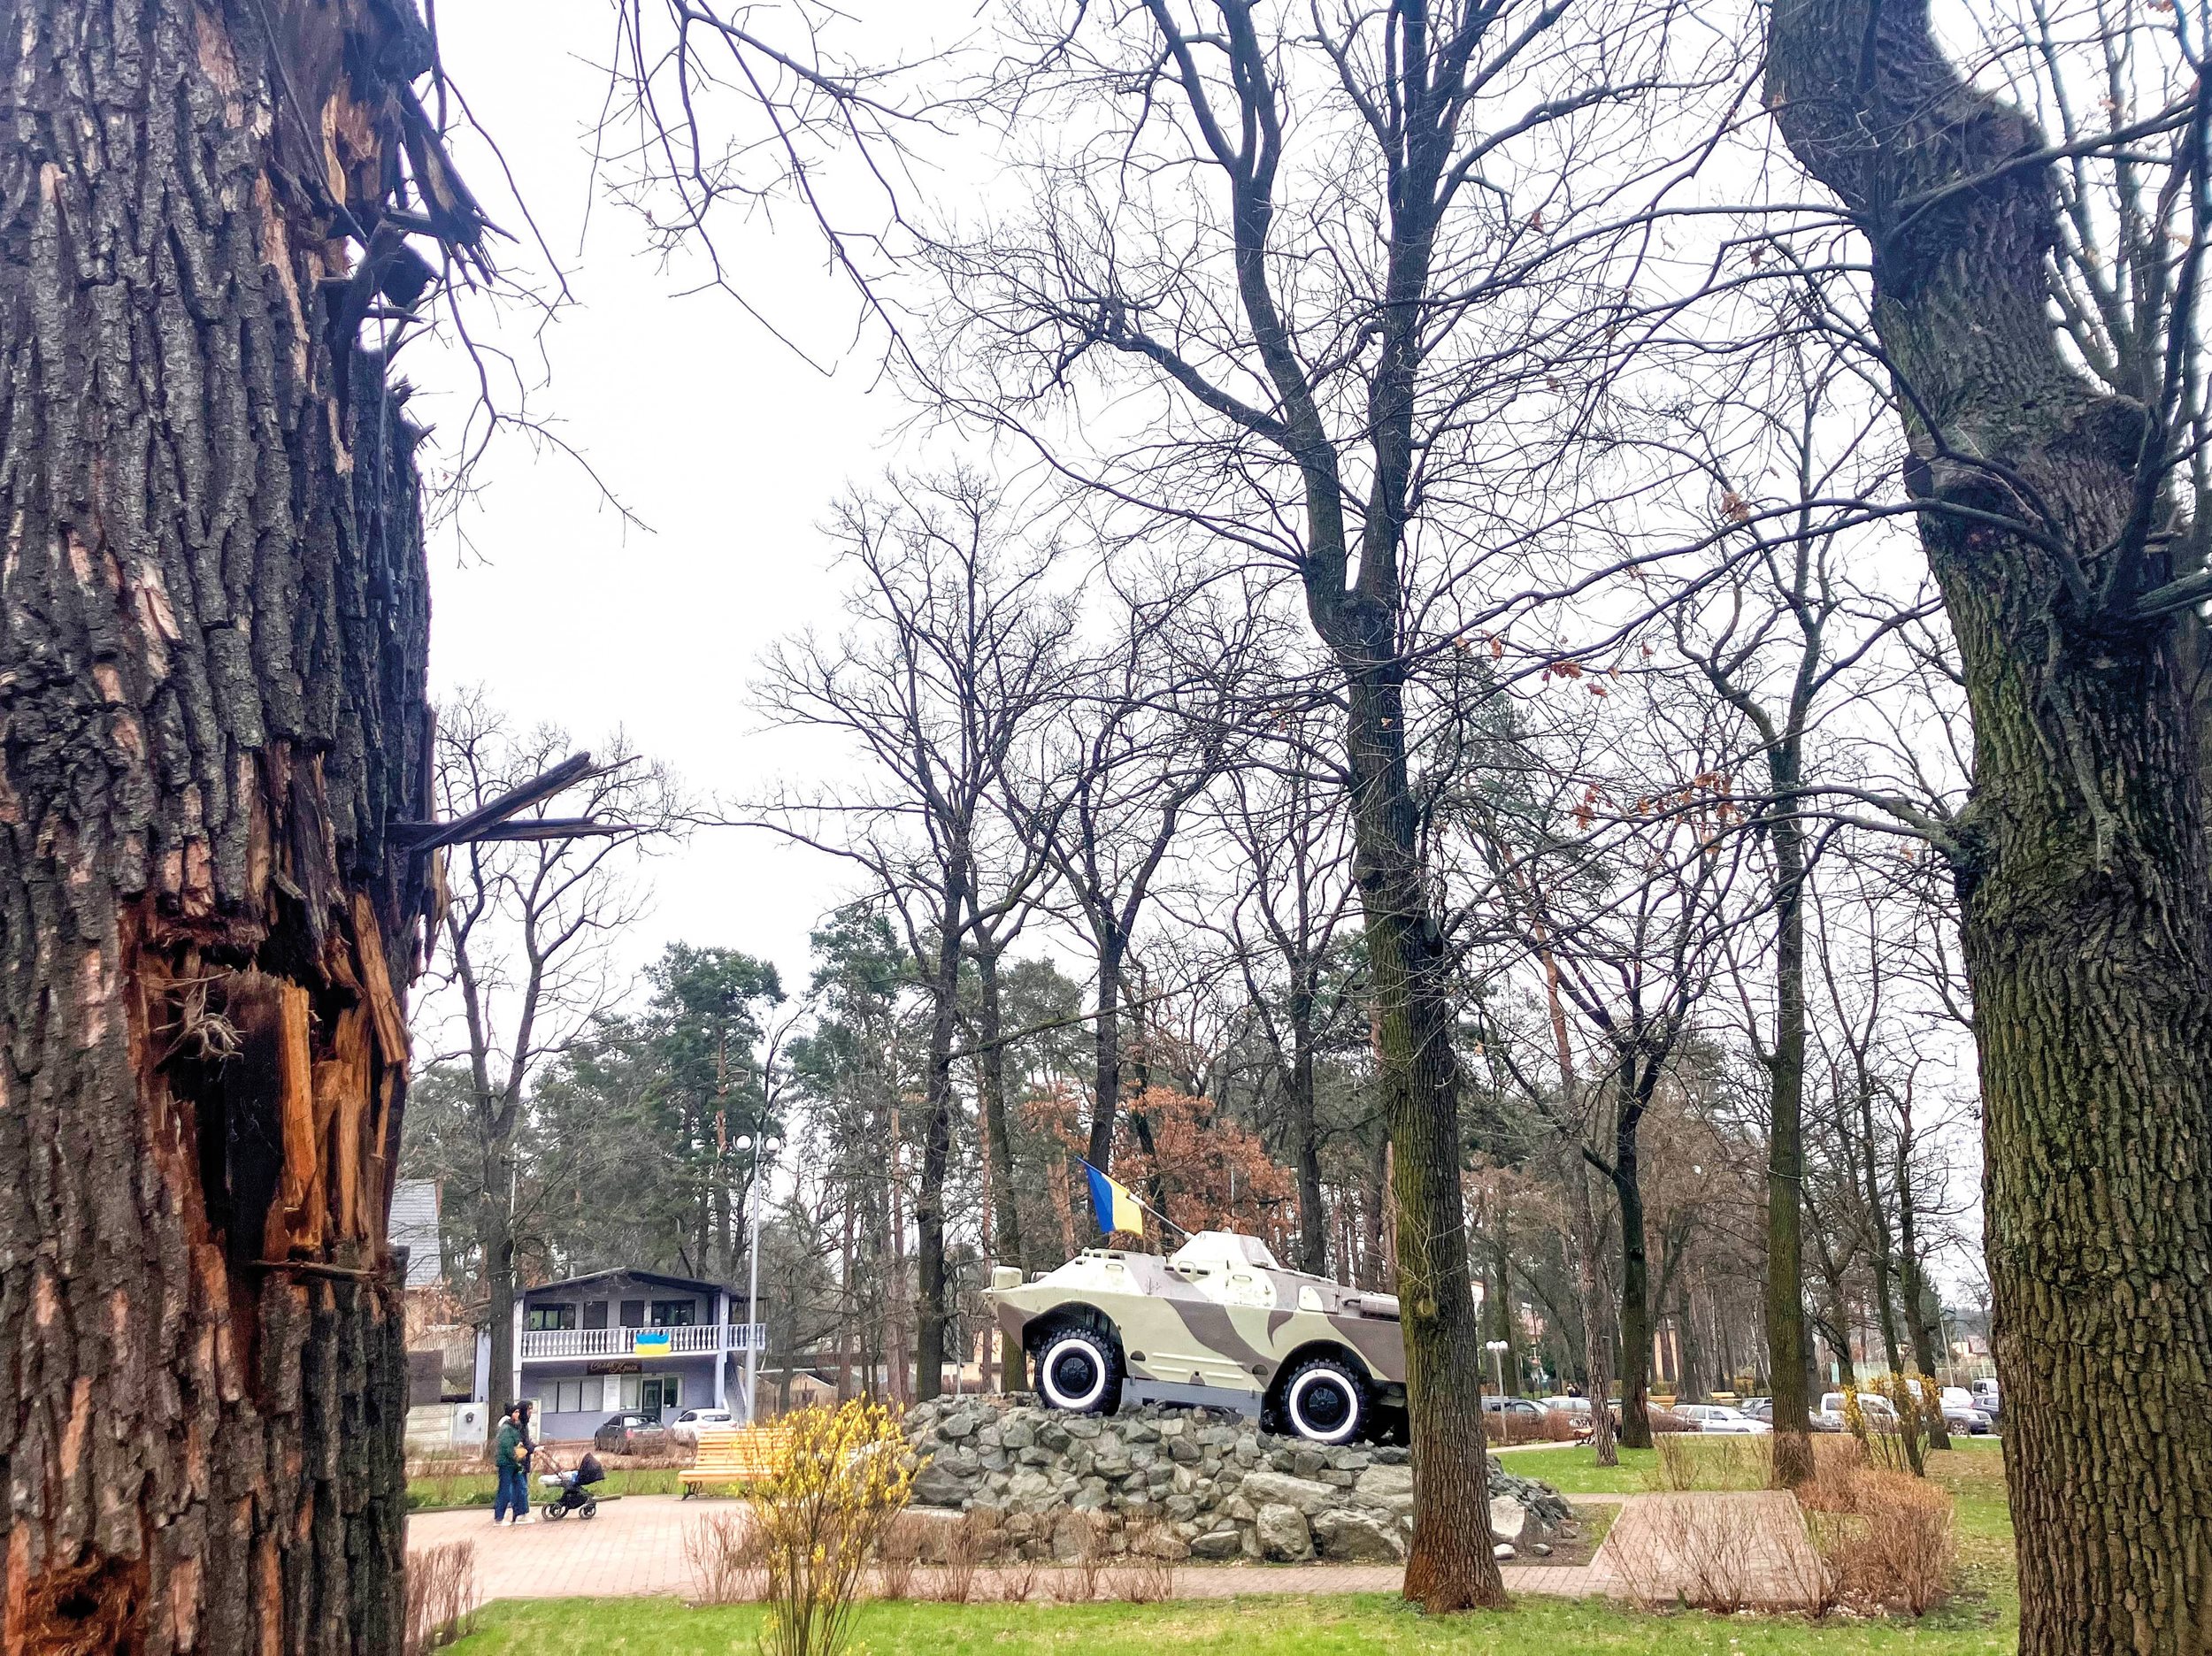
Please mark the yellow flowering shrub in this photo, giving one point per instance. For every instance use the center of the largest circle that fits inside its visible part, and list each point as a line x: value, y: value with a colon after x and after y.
x: 837, y: 1489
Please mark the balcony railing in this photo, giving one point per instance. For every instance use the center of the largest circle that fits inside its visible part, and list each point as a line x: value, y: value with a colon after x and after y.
x: 700, y: 1339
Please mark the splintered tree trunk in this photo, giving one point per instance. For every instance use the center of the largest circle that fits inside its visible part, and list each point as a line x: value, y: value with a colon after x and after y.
x: 2083, y: 866
x: 212, y: 677
x: 1451, y: 1564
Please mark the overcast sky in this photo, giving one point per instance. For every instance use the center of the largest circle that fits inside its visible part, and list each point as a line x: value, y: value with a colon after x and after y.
x: 729, y: 445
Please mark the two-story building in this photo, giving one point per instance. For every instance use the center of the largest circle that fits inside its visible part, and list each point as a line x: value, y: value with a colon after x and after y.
x: 624, y: 1339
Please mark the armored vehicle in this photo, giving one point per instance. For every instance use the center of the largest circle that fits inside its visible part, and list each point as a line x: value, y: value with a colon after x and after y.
x: 1217, y: 1322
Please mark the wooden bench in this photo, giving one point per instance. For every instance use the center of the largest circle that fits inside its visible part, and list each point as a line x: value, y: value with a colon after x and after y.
x: 740, y: 1457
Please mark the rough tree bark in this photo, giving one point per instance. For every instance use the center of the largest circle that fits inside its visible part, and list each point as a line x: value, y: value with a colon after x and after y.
x: 2082, y: 860
x: 212, y: 677
x: 1787, y: 1356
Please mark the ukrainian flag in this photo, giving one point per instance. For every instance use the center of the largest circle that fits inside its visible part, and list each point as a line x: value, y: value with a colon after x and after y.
x: 1117, y: 1207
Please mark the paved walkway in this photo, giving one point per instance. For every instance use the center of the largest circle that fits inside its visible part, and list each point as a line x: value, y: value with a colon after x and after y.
x: 635, y: 1548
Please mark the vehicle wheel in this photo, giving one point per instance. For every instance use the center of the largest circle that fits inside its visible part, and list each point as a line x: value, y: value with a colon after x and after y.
x: 1327, y: 1402
x: 1081, y: 1371
x: 591, y: 1509
x: 554, y: 1512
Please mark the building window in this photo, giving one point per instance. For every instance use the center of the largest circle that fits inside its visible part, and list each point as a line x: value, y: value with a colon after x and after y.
x: 675, y: 1312
x: 634, y: 1314
x: 596, y: 1314
x: 543, y: 1317
x: 629, y: 1393
x: 566, y: 1397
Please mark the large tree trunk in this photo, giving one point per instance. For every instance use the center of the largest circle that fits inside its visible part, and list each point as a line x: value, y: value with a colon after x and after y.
x: 1635, y: 1301
x: 1786, y: 1353
x: 929, y: 1199
x: 1451, y: 1565
x: 1313, y: 1226
x: 212, y: 679
x: 1006, y: 1226
x: 2083, y: 866
x: 1106, y: 1050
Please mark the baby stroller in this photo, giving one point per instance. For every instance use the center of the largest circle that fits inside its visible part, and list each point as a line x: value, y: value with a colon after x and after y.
x: 575, y: 1491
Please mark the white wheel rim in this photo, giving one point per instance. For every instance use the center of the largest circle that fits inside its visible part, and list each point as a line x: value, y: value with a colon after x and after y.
x: 1323, y: 1376
x: 1097, y: 1387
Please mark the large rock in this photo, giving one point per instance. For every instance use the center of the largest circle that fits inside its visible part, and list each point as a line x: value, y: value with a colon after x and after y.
x: 937, y: 1485
x: 1283, y: 1536
x: 1218, y: 1545
x: 1508, y: 1518
x: 1281, y: 1488
x: 1357, y: 1537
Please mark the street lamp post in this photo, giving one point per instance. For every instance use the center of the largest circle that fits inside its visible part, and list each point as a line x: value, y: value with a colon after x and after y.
x: 1497, y: 1350
x: 752, y: 1281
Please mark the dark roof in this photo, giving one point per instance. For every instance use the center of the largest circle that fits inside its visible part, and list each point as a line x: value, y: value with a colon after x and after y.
x: 658, y: 1277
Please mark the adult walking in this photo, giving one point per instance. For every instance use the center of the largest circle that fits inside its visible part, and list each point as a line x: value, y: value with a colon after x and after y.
x: 511, y: 1460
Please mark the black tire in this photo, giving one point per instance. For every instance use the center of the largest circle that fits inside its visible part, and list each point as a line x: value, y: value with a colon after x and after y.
x: 589, y: 1509
x: 554, y: 1512
x: 1080, y: 1370
x: 1327, y: 1402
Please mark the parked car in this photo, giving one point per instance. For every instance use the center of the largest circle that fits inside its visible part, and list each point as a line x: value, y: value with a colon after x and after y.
x: 1520, y: 1406
x: 1759, y: 1409
x: 694, y: 1423
x: 1874, y: 1408
x: 1987, y: 1398
x: 1718, y: 1418
x: 1960, y: 1414
x: 631, y: 1433
x: 1578, y: 1407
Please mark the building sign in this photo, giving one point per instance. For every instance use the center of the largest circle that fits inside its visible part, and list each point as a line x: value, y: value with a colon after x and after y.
x: 620, y: 1365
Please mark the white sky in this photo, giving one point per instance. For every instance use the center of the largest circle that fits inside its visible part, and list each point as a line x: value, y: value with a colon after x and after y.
x: 726, y: 442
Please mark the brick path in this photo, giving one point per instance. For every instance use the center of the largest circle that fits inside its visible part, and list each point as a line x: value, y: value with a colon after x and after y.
x: 635, y: 1548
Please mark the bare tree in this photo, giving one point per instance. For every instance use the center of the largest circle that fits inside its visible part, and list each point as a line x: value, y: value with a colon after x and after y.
x: 1320, y: 333
x: 2054, y: 512
x: 530, y: 926
x: 1288, y: 823
x: 957, y: 645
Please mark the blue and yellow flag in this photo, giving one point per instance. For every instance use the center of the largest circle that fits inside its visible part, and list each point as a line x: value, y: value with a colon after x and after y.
x: 1117, y: 1207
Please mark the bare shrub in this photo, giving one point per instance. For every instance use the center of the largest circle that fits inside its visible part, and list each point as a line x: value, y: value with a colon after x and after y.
x: 728, y: 1554
x: 1688, y: 1461
x: 1641, y: 1559
x: 1017, y: 1582
x: 1720, y: 1540
x: 1079, y: 1585
x: 964, y: 1551
x: 441, y: 1596
x: 1837, y: 1459
x: 1147, y: 1575
x: 898, y: 1556
x: 1905, y: 1551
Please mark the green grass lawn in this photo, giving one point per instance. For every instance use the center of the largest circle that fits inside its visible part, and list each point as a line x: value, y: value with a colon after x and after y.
x: 1983, y: 1620
x: 1336, y: 1625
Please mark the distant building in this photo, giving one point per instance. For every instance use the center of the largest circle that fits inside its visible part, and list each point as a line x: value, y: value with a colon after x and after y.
x: 414, y: 1226
x: 624, y: 1340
